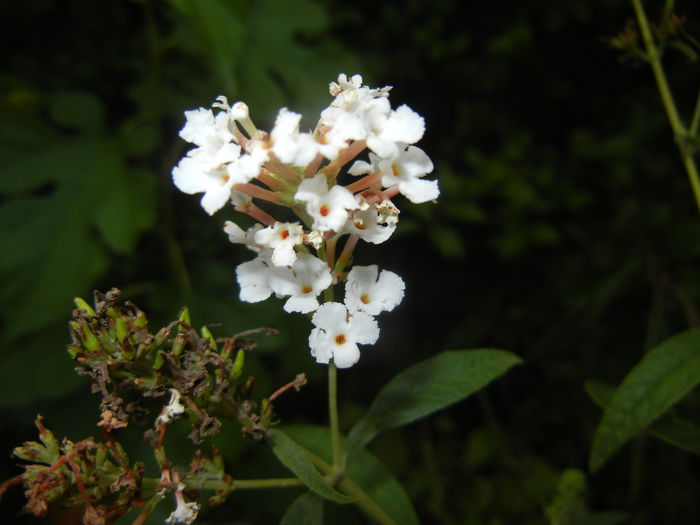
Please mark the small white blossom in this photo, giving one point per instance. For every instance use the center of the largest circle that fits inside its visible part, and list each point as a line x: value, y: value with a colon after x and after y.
x: 337, y: 334
x: 302, y: 282
x: 206, y: 130
x: 191, y: 176
x: 344, y: 84
x: 369, y: 223
x: 327, y: 208
x: 343, y: 128
x: 173, y: 409
x: 356, y: 113
x: 254, y: 279
x: 361, y: 167
x: 367, y: 293
x: 288, y: 145
x: 314, y: 238
x: 239, y: 111
x: 238, y: 235
x: 403, y: 125
x: 241, y: 202
x: 282, y: 237
x: 406, y: 171
x: 387, y: 213
x: 247, y: 166
x: 204, y: 169
x: 185, y: 513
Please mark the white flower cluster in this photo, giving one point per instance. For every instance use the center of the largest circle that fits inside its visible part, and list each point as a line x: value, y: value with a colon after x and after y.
x: 234, y: 161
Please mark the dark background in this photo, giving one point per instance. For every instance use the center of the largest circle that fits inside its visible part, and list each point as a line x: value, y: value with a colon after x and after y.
x: 566, y: 230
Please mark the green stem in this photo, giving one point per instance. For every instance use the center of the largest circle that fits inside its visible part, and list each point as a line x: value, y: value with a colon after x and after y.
x: 236, y: 484
x: 679, y: 131
x: 268, y: 483
x: 333, y: 413
x: 693, y: 131
x: 350, y: 488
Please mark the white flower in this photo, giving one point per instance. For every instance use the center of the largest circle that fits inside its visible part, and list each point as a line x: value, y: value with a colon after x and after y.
x: 361, y: 113
x: 173, y: 409
x: 288, y: 145
x: 344, y: 127
x: 282, y: 237
x: 402, y: 125
x: 306, y: 278
x: 253, y: 278
x: 191, y: 176
x: 314, y: 238
x: 204, y: 169
x: 406, y: 171
x: 369, y: 223
x: 185, y: 513
x: 247, y: 166
x: 240, y: 111
x: 327, y: 208
x: 337, y: 334
x: 238, y: 235
x: 367, y: 293
x: 361, y: 167
x: 387, y: 213
x: 344, y: 84
x: 206, y: 130
x: 241, y: 202
x: 354, y: 114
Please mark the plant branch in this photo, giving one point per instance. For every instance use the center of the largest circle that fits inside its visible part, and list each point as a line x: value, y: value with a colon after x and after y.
x: 349, y: 487
x: 333, y: 413
x: 680, y: 134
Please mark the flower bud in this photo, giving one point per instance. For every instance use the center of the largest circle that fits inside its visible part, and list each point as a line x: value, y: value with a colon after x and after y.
x: 80, y: 303
x: 238, y: 363
x: 206, y: 333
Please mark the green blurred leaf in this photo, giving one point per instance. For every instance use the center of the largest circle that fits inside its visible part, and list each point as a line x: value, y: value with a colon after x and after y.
x: 78, y: 110
x: 663, y: 377
x: 137, y: 140
x: 448, y: 241
x: 52, y: 253
x: 127, y: 204
x: 611, y: 517
x: 427, y: 387
x: 292, y: 456
x: 670, y: 428
x: 37, y: 368
x: 220, y: 24
x: 365, y: 470
x: 34, y: 156
x: 307, y: 509
x: 51, y: 258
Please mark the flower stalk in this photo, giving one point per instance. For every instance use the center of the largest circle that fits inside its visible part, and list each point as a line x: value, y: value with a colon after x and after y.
x: 682, y: 137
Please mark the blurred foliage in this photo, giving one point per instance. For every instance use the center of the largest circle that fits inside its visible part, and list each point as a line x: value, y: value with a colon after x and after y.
x: 565, y: 232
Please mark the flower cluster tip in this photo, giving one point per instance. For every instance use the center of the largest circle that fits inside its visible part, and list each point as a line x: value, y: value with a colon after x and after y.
x: 233, y: 161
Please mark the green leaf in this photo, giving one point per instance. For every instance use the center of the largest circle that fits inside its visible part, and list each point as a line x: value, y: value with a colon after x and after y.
x: 670, y: 428
x: 427, y: 387
x: 37, y: 369
x: 220, y: 27
x: 126, y: 206
x: 295, y: 459
x: 663, y: 377
x: 29, y: 167
x: 77, y: 109
x: 50, y: 259
x: 365, y: 470
x: 307, y: 509
x: 678, y: 432
x: 59, y: 194
x: 610, y: 517
x: 600, y: 393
